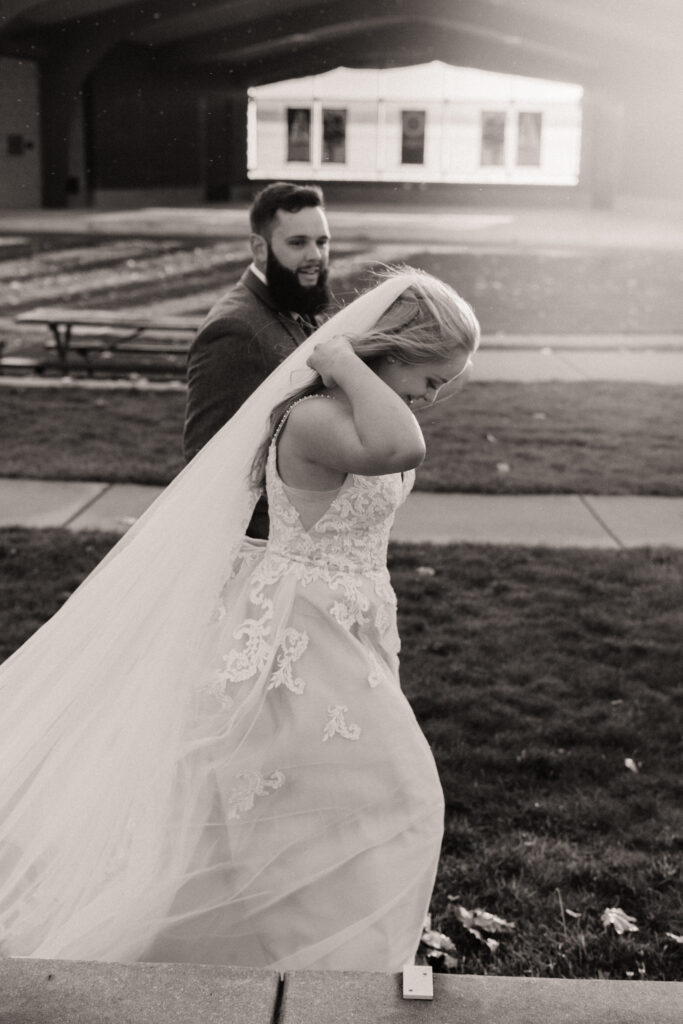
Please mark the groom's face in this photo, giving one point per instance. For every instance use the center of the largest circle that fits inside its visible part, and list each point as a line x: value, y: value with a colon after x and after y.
x: 295, y: 259
x: 300, y: 242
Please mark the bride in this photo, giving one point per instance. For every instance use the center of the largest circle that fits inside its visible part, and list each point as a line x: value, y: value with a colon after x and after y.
x: 206, y: 752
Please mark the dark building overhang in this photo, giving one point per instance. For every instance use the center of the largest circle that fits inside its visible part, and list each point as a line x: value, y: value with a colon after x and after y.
x: 577, y: 40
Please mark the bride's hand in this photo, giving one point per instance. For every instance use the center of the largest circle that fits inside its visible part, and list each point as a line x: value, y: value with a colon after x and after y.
x: 329, y: 357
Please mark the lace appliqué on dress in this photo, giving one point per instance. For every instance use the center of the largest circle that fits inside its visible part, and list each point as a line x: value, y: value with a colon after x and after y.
x: 337, y: 724
x: 249, y: 785
x: 292, y: 646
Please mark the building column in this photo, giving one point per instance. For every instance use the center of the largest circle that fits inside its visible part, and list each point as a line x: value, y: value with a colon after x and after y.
x: 62, y: 78
x: 652, y: 171
x: 223, y: 133
x: 602, y: 144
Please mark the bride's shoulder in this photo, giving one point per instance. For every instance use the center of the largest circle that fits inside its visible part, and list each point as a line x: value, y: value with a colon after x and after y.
x: 312, y: 410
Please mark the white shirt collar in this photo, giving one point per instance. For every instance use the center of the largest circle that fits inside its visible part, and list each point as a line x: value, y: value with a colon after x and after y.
x: 258, y: 273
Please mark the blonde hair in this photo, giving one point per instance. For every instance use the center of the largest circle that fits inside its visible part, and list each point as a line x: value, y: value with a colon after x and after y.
x: 429, y: 320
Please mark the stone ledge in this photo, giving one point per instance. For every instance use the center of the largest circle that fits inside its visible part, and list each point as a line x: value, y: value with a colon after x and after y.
x: 73, y: 992
x: 77, y: 992
x: 312, y: 997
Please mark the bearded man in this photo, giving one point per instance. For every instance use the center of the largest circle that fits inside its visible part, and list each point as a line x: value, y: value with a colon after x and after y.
x: 279, y: 300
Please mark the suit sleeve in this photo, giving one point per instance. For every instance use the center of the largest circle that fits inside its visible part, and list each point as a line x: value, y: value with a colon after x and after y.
x: 225, y: 365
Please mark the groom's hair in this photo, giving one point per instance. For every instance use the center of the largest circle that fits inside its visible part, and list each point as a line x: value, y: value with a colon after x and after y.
x: 281, y: 195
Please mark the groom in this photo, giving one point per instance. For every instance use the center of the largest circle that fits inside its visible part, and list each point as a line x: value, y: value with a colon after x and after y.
x: 279, y: 300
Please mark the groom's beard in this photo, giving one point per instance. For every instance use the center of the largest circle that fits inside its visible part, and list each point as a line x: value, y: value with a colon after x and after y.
x: 284, y: 286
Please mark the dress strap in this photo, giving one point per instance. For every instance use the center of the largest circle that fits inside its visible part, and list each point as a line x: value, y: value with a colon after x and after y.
x: 285, y: 415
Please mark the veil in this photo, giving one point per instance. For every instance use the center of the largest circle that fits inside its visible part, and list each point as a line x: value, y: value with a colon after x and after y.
x: 92, y: 705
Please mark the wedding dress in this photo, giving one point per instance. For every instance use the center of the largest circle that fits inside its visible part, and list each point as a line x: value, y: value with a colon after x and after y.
x: 251, y: 786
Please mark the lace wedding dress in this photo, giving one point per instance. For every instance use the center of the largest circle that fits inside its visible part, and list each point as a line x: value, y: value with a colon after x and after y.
x: 325, y: 812
x: 209, y: 758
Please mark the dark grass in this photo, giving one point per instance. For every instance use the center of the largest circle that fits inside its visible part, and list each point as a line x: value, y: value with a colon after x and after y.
x: 534, y: 674
x: 585, y: 438
x: 76, y: 434
x: 596, y: 438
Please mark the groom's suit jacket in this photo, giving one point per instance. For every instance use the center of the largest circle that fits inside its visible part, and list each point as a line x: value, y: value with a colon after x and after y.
x: 243, y: 338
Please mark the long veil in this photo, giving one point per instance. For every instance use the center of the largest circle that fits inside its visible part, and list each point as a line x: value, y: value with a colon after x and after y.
x: 92, y: 705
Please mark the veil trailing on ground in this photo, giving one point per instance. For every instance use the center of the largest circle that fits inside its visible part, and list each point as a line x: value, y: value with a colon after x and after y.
x: 93, y: 705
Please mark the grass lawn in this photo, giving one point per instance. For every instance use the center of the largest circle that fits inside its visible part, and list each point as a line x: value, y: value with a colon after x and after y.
x: 592, y: 438
x: 535, y: 674
x: 549, y: 291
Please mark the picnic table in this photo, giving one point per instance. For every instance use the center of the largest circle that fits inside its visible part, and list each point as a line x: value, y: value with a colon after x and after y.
x: 130, y: 327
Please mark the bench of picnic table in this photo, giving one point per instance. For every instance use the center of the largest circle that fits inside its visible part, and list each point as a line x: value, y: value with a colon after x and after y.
x: 61, y: 322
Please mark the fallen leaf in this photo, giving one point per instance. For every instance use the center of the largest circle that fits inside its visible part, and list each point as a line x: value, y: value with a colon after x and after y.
x: 425, y: 570
x: 491, y: 438
x: 434, y: 939
x: 676, y: 938
x: 478, y: 921
x: 503, y: 467
x: 619, y: 920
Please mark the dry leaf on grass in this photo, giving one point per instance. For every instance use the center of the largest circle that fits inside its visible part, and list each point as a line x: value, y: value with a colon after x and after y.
x: 619, y: 920
x: 478, y: 921
x: 437, y: 946
x: 481, y: 919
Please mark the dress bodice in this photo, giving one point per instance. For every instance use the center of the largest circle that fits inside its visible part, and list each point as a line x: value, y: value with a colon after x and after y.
x: 352, y: 535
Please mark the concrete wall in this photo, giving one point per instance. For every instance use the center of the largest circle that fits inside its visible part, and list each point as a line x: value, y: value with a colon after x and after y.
x: 19, y: 134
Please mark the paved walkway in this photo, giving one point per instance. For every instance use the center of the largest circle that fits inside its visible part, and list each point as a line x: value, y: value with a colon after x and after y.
x: 652, y: 358
x: 556, y: 228
x: 556, y: 520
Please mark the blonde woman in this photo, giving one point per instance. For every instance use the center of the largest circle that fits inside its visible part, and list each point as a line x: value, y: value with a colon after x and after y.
x: 267, y: 797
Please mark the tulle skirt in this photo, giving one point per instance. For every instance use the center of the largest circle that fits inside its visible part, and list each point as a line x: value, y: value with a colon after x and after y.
x: 285, y: 813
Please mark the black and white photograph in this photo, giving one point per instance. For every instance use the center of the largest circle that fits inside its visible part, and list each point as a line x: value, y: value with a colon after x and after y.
x: 341, y: 511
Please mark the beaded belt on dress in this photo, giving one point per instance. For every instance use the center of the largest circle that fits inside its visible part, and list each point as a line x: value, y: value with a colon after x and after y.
x: 328, y: 564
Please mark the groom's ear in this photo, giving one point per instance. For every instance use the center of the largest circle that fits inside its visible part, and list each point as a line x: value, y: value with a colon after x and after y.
x: 259, y: 250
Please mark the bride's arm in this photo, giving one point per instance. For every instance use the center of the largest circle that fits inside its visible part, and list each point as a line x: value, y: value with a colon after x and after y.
x: 369, y: 430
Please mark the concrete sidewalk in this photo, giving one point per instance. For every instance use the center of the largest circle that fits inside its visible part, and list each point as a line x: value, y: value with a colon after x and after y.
x: 555, y: 520
x: 652, y: 359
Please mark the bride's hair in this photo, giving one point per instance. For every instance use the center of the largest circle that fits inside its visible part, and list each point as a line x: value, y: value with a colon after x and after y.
x: 429, y: 320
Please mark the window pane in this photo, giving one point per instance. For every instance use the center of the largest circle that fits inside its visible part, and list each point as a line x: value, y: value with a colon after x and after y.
x: 334, y: 136
x: 493, y: 139
x: 413, y: 137
x: 298, y: 133
x: 529, y: 139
